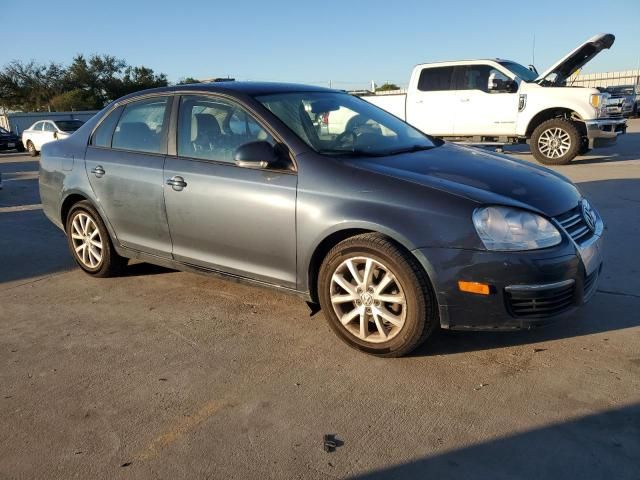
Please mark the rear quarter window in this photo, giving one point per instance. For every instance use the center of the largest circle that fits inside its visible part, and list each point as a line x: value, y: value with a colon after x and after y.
x: 103, y: 134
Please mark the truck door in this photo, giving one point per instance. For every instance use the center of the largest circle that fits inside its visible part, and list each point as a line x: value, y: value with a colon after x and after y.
x: 485, y: 105
x: 430, y: 101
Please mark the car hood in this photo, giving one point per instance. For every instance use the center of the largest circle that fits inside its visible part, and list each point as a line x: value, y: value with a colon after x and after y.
x: 481, y: 176
x: 577, y: 58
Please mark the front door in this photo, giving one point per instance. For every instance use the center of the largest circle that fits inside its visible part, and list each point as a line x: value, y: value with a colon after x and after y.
x: 480, y: 110
x: 222, y: 216
x: 124, y: 162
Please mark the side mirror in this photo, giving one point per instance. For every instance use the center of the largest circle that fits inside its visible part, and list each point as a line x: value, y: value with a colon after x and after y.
x: 509, y: 86
x: 255, y: 155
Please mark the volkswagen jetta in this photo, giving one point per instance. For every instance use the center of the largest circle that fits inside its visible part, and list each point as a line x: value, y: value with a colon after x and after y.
x: 390, y: 232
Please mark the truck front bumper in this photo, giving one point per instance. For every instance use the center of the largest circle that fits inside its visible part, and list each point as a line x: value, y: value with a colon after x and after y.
x: 604, y: 132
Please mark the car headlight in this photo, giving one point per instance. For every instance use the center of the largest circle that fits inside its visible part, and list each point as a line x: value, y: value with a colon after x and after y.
x: 505, y: 228
x: 599, y: 102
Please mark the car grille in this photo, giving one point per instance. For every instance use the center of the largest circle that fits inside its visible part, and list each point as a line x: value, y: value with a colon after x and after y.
x: 574, y: 224
x: 540, y: 303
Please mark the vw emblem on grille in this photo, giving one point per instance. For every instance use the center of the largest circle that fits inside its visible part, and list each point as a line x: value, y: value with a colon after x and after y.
x: 589, y: 215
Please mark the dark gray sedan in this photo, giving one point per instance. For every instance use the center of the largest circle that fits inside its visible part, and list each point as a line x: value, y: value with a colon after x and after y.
x: 390, y: 232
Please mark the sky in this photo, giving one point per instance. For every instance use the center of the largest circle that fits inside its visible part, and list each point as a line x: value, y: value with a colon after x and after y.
x: 347, y: 43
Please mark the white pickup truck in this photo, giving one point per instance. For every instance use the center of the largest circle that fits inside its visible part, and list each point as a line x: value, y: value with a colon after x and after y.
x: 500, y: 102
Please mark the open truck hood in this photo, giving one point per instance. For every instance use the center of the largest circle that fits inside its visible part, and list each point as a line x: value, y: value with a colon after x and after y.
x: 576, y: 59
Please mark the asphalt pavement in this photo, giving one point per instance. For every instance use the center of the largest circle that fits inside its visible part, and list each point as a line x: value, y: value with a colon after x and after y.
x: 164, y: 374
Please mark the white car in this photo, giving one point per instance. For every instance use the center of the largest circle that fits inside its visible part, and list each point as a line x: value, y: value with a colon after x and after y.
x: 499, y: 102
x: 46, y: 131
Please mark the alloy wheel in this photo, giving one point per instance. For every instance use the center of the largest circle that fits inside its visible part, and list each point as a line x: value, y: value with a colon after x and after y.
x: 554, y: 142
x: 87, y: 241
x: 368, y: 299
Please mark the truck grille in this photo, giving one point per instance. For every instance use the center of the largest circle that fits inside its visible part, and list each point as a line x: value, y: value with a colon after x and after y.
x: 540, y: 303
x: 575, y: 225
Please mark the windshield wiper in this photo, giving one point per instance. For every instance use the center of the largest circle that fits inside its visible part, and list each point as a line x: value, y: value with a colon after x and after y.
x: 413, y: 148
x: 352, y: 153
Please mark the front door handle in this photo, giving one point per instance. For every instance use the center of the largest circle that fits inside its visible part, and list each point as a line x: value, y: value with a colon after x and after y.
x: 464, y: 100
x: 177, y: 183
x: 98, y: 171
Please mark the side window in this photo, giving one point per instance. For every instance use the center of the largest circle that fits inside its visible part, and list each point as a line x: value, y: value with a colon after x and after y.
x: 102, y: 135
x: 212, y: 129
x: 478, y: 77
x: 38, y: 127
x: 435, y: 79
x: 141, y: 126
x: 48, y: 127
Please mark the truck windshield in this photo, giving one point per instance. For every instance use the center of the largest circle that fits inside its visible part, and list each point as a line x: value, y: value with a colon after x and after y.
x: 334, y: 123
x: 520, y: 71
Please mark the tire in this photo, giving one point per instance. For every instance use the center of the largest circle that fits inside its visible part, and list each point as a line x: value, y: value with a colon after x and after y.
x: 32, y: 149
x: 98, y: 257
x: 413, y: 321
x: 584, y: 146
x: 556, y: 141
x: 20, y: 147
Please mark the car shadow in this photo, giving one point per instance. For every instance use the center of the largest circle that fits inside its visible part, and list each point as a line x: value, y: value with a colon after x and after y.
x: 598, y: 446
x: 31, y: 246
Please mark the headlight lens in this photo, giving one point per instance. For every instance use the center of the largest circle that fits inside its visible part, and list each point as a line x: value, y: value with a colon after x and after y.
x: 504, y: 228
x: 599, y: 102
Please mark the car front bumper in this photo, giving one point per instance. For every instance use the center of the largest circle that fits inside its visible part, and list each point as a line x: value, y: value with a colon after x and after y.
x: 605, y: 132
x: 528, y: 289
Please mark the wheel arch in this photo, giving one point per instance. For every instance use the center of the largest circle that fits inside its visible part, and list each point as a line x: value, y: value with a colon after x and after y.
x: 74, y: 197
x: 556, y: 112
x: 332, y: 239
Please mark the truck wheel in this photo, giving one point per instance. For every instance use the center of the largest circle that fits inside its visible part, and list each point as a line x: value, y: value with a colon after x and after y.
x: 556, y: 141
x: 584, y: 146
x: 376, y: 297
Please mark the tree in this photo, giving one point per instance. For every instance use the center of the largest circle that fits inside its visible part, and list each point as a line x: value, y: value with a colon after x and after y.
x: 188, y: 80
x: 87, y: 83
x: 387, y: 87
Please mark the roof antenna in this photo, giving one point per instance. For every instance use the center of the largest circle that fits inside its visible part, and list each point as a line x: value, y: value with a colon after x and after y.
x: 533, y: 50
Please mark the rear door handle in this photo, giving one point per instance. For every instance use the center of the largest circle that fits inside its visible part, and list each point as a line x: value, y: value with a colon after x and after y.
x: 177, y: 183
x: 98, y: 171
x: 464, y: 99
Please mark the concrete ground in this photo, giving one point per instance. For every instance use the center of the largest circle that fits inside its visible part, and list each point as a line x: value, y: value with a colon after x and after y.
x: 162, y: 374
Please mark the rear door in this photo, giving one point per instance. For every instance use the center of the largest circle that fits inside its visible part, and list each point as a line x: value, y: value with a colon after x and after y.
x: 48, y: 133
x: 35, y: 135
x: 431, y: 104
x: 222, y: 216
x: 124, y: 162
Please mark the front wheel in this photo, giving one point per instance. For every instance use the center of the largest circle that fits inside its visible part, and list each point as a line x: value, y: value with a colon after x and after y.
x: 376, y: 296
x: 556, y: 141
x: 90, y: 244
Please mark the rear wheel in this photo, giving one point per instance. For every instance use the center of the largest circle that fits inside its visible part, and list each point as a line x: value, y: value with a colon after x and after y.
x: 376, y: 297
x: 31, y: 148
x: 20, y: 147
x: 556, y: 141
x: 90, y: 243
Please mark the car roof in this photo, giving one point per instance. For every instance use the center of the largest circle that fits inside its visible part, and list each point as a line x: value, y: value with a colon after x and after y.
x: 247, y: 88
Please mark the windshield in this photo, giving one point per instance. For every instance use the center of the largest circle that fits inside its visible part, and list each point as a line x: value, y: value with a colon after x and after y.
x: 2, y: 130
x: 335, y: 123
x: 69, y: 125
x: 520, y: 71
